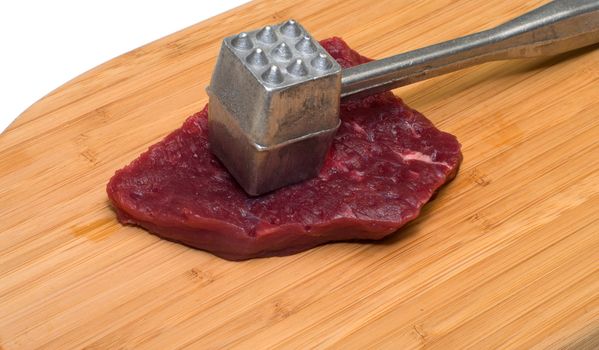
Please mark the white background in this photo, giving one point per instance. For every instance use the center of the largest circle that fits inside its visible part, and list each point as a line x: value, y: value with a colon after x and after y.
x: 44, y: 44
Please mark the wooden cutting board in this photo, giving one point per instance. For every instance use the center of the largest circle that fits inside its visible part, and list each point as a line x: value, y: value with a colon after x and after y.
x: 507, y: 256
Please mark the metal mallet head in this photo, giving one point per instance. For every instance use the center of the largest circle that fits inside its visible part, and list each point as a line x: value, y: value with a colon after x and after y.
x: 274, y: 105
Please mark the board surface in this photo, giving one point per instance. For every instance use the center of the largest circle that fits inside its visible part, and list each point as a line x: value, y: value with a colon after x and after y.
x: 507, y: 256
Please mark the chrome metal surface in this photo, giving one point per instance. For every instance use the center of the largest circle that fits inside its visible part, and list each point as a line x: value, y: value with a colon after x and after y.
x: 559, y: 26
x: 274, y: 105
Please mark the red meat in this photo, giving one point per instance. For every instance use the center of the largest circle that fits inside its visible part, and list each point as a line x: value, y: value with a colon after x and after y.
x: 386, y: 162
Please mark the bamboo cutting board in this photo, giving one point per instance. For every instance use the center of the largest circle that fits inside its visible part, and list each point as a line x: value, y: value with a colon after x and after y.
x: 507, y: 256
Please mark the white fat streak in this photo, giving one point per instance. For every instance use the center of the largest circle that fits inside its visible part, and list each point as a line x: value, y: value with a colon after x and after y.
x: 421, y: 157
x: 358, y: 128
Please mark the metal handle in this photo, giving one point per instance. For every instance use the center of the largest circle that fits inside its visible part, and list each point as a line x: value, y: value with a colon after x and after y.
x: 559, y: 26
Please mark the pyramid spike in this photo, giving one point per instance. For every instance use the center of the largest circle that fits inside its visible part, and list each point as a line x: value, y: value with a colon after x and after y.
x: 257, y: 58
x: 273, y: 75
x: 267, y: 35
x: 297, y: 68
x: 322, y: 62
x: 282, y: 52
x: 291, y: 29
x: 242, y: 41
x: 305, y: 45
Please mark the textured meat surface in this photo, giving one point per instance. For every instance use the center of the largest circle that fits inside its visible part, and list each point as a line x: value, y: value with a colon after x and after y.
x: 385, y: 163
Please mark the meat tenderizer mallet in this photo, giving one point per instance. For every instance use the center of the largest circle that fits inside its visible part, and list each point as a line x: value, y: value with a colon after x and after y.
x: 275, y: 92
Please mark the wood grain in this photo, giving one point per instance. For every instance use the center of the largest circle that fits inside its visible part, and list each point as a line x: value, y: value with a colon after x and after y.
x: 505, y: 257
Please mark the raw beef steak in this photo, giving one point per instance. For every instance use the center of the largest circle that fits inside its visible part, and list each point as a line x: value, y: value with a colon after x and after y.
x: 386, y: 162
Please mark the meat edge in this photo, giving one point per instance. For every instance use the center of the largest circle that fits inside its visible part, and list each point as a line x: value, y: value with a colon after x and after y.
x: 234, y: 245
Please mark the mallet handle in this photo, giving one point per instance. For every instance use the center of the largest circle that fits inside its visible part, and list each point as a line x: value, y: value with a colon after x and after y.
x: 557, y: 27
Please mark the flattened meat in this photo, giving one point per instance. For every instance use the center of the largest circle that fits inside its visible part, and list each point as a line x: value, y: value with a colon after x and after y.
x: 386, y: 162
